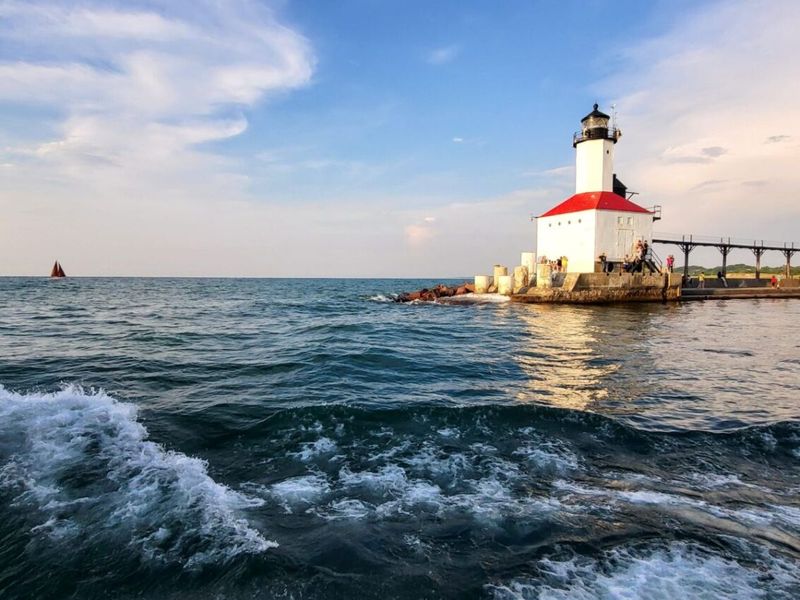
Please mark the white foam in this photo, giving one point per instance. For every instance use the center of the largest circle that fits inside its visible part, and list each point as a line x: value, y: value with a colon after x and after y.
x: 677, y: 571
x: 300, y: 492
x: 312, y: 450
x: 658, y: 498
x: 386, y: 479
x: 715, y: 480
x: 349, y: 509
x: 449, y: 432
x: 476, y: 299
x: 441, y: 486
x: 82, y: 464
x: 431, y: 461
x: 383, y: 298
x: 417, y: 496
x: 549, y: 456
x: 770, y: 520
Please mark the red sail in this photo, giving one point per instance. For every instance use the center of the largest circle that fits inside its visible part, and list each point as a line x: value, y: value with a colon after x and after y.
x: 57, y: 271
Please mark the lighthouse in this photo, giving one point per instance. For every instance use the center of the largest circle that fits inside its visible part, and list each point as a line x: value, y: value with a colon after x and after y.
x: 598, y: 219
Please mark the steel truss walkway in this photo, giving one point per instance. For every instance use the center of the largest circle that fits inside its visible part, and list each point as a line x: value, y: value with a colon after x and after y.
x: 687, y: 243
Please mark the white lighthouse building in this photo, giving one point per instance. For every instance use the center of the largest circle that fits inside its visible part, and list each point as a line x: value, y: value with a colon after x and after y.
x: 598, y: 219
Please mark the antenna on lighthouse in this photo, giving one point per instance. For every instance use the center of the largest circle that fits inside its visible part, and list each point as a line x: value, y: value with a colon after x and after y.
x: 613, y: 116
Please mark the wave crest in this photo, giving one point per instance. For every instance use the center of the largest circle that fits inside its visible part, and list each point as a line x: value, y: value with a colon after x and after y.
x: 81, y: 464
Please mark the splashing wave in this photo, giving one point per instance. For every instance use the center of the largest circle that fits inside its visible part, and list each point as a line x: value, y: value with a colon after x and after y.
x: 81, y: 469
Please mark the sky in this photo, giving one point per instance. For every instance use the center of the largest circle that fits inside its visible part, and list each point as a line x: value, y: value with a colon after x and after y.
x: 379, y: 138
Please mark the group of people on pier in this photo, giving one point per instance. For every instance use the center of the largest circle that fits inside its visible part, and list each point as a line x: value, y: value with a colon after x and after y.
x: 642, y: 259
x: 558, y: 265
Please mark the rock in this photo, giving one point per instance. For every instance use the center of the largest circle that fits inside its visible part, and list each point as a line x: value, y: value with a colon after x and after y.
x: 440, y: 291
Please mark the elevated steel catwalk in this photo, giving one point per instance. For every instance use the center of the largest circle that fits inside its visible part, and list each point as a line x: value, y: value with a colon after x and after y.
x: 687, y: 243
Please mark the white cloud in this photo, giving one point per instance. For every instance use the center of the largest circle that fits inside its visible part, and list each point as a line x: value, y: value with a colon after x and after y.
x: 458, y: 140
x: 709, y: 108
x: 443, y: 55
x: 131, y: 96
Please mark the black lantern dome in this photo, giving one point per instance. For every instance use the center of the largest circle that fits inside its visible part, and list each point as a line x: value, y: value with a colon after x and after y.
x: 595, y: 126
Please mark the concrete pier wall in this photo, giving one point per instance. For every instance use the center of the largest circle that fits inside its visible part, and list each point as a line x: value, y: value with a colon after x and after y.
x: 738, y: 293
x: 601, y: 288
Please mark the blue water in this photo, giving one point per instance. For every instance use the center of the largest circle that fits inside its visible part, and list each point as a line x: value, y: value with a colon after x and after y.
x: 200, y: 438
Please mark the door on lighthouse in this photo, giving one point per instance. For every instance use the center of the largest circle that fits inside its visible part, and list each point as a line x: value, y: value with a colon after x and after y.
x: 624, y: 243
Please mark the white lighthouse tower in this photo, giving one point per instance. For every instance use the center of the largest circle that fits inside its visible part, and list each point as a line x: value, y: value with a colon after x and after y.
x: 597, y: 219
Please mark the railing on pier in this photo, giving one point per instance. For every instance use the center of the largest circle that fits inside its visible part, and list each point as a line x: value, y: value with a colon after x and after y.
x: 714, y: 241
x: 688, y: 242
x: 656, y: 210
x: 654, y: 259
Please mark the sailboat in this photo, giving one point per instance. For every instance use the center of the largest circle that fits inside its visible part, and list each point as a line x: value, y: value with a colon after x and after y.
x: 57, y: 270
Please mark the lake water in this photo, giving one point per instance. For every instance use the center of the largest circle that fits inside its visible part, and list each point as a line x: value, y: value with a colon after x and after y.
x: 201, y: 438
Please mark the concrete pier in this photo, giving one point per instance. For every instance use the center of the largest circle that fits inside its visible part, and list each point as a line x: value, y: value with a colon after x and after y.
x: 603, y: 288
x: 714, y: 289
x: 738, y: 293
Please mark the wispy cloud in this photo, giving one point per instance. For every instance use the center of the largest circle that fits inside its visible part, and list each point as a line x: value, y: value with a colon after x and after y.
x: 443, y: 55
x: 694, y: 136
x: 144, y: 89
x: 776, y: 139
x: 133, y: 97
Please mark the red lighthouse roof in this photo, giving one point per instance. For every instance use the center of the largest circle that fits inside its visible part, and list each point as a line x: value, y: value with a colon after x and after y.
x: 594, y: 201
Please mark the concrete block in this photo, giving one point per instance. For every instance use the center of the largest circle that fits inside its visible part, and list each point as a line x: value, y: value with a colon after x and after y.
x: 528, y: 259
x: 543, y: 276
x: 571, y: 281
x: 482, y: 284
x: 504, y: 285
x: 499, y: 271
x: 520, y: 278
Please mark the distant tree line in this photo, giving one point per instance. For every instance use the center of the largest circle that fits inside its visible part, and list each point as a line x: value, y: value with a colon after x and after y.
x: 737, y: 268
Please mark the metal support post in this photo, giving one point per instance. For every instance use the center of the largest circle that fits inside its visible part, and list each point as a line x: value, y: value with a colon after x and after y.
x: 724, y: 249
x: 758, y: 251
x: 788, y: 253
x: 686, y: 247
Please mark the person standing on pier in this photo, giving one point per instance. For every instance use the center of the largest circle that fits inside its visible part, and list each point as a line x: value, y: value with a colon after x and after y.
x: 721, y: 277
x: 670, y: 263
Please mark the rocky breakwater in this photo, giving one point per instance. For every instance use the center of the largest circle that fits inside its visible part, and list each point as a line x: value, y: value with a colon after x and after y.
x: 433, y: 294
